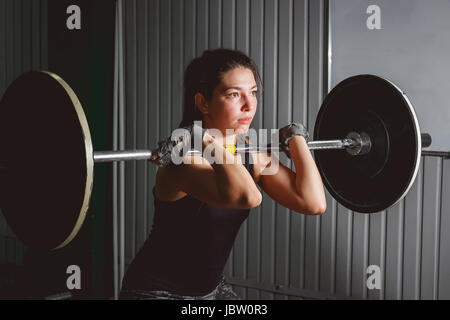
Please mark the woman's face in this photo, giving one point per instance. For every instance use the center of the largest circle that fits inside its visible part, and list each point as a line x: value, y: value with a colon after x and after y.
x: 233, y: 103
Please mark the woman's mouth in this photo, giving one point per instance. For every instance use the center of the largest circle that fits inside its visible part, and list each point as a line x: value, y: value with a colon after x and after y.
x: 245, y: 120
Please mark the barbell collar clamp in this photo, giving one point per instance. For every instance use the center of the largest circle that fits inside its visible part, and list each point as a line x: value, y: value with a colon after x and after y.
x: 362, y: 144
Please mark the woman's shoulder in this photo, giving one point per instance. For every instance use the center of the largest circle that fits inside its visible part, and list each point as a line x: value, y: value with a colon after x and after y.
x: 167, y: 179
x: 167, y: 183
x: 165, y: 188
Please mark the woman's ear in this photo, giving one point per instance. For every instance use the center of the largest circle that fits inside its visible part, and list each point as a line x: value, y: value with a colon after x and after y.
x: 201, y: 103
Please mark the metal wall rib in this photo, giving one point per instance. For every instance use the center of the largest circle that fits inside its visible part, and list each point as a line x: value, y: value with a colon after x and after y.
x: 279, y: 254
x: 23, y: 47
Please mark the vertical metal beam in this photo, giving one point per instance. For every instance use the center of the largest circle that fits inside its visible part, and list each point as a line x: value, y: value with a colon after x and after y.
x: 118, y: 143
x: 121, y: 145
x: 114, y: 175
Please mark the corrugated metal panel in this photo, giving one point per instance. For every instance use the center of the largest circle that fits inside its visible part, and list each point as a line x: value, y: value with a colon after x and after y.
x: 413, y: 237
x: 269, y: 121
x: 235, y: 34
x: 279, y: 254
x: 430, y: 228
x: 23, y: 47
x: 23, y: 38
x: 131, y: 92
x: 254, y: 222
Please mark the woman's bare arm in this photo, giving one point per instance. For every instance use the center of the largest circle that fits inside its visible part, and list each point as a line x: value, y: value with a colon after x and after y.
x: 226, y: 184
x: 301, y: 191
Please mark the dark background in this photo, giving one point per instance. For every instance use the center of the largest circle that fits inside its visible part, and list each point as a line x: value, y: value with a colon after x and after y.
x: 85, y: 60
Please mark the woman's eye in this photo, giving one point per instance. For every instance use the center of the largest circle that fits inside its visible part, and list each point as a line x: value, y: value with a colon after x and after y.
x: 254, y: 93
x: 234, y: 95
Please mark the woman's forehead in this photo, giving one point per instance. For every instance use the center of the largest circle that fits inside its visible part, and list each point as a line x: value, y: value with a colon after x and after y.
x: 238, y: 78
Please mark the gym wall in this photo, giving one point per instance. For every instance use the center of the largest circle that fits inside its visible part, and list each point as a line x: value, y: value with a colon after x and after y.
x: 278, y: 254
x: 23, y: 47
x: 34, y: 36
x: 403, y: 41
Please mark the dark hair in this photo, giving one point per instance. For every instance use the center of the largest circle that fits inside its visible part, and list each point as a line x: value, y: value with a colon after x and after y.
x: 204, y: 74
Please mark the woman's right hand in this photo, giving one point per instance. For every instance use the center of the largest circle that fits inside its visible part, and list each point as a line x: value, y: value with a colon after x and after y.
x: 154, y: 158
x: 183, y: 139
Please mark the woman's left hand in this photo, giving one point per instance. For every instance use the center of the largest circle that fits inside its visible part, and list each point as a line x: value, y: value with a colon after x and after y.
x: 288, y: 132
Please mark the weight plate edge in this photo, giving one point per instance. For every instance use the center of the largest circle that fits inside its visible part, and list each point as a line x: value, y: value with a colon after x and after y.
x: 89, y: 158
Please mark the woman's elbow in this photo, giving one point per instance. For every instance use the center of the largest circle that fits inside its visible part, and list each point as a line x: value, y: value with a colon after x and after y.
x: 314, y: 209
x: 320, y: 209
x: 251, y: 200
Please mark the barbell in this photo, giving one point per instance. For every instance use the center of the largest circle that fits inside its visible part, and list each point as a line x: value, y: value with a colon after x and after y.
x: 47, y: 158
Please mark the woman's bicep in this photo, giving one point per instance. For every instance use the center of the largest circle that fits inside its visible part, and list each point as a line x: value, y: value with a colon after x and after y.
x: 281, y: 187
x: 280, y: 183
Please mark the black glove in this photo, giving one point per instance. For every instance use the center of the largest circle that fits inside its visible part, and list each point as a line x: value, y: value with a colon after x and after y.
x: 288, y: 132
x: 181, y: 140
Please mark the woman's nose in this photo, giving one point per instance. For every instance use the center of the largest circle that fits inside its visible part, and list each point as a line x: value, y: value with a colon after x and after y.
x: 248, y: 104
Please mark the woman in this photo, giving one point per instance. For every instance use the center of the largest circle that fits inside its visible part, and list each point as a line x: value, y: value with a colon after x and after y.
x: 200, y: 206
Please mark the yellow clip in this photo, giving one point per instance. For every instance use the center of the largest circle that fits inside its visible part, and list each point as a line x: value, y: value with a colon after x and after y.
x: 231, y: 148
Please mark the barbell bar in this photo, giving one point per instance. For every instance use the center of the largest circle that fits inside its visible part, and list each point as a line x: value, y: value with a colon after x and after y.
x: 338, y: 144
x: 45, y: 200
x: 129, y: 155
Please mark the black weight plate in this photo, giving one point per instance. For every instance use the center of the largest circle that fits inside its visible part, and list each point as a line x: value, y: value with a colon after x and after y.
x: 375, y: 181
x: 46, y: 168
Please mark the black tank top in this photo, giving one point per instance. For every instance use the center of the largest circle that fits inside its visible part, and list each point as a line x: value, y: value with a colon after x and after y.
x: 188, y: 246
